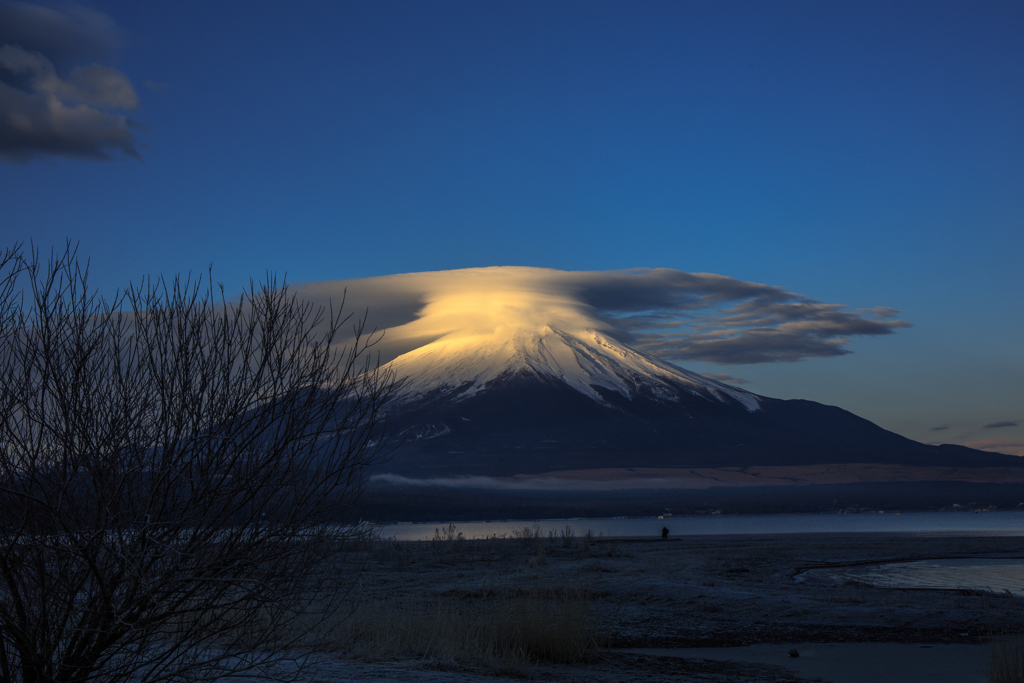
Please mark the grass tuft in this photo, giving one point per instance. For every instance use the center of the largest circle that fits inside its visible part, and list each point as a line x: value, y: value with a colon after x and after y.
x: 1006, y: 662
x: 505, y: 632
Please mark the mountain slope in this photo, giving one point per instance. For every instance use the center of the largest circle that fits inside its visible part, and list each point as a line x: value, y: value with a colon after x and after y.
x: 587, y: 361
x: 538, y: 399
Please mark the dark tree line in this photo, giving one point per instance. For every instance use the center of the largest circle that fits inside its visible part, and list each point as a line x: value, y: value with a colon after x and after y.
x: 178, y: 474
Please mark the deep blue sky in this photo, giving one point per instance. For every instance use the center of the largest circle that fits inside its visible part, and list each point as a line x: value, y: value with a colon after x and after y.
x: 863, y: 153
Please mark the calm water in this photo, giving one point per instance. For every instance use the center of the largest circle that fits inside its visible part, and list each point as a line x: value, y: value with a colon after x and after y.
x: 856, y: 662
x: 1010, y: 523
x: 975, y: 573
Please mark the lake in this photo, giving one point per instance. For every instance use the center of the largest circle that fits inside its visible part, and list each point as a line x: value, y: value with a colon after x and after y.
x: 1009, y: 523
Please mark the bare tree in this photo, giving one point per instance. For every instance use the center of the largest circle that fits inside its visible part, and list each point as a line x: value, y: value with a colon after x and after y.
x: 178, y: 474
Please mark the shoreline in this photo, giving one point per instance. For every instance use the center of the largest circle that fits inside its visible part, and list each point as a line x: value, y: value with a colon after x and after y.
x: 945, y: 523
x: 696, y: 592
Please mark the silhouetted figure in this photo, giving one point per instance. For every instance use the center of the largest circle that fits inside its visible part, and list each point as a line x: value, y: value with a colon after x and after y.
x: 664, y: 532
x: 794, y: 653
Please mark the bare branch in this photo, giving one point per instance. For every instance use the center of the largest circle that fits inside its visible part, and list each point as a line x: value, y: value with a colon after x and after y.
x: 177, y: 473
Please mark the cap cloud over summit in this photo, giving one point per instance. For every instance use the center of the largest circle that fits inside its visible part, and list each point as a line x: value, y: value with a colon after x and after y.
x: 671, y: 314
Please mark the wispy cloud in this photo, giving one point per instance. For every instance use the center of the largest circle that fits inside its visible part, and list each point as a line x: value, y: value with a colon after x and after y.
x: 939, y: 428
x: 671, y: 314
x: 724, y: 377
x: 997, y: 425
x: 700, y: 316
x: 55, y: 98
x: 1010, y: 447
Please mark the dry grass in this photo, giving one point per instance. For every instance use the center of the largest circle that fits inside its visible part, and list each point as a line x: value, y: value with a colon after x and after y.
x: 1006, y: 663
x: 703, y: 603
x: 504, y: 632
x: 504, y: 627
x: 450, y: 546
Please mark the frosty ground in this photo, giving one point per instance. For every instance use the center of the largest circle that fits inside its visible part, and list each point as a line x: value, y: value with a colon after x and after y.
x: 649, y: 593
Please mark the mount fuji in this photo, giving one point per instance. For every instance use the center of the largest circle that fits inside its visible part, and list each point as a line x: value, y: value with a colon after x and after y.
x: 523, y: 396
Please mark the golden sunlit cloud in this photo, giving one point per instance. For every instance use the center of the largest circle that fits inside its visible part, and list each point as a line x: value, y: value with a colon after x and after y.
x: 667, y: 313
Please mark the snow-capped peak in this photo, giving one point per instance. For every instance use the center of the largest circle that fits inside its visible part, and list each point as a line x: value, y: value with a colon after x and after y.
x: 500, y: 322
x: 587, y: 360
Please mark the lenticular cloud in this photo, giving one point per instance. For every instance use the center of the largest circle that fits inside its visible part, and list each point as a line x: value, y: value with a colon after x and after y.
x: 671, y: 314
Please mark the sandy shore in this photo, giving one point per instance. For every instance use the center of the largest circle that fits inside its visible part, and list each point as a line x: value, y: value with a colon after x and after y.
x: 704, y: 592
